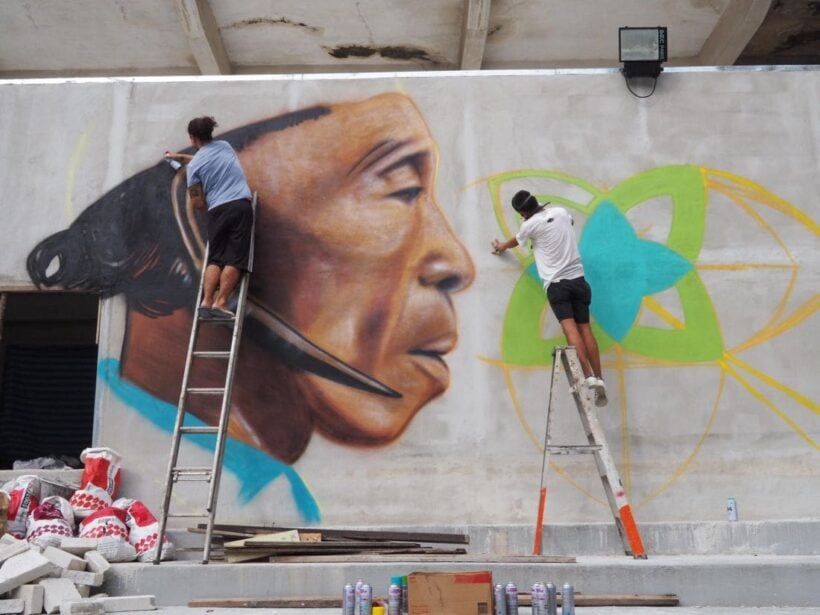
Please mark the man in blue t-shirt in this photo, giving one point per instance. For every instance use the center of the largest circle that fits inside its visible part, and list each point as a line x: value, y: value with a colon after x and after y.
x: 216, y: 181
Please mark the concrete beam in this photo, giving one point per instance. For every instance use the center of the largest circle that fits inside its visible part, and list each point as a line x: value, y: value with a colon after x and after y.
x: 204, y: 37
x: 733, y: 31
x: 474, y: 33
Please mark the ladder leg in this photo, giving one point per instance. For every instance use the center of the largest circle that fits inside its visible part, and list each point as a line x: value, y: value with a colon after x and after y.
x: 608, y: 471
x: 545, y: 460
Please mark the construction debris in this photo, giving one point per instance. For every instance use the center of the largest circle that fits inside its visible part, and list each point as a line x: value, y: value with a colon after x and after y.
x: 243, y: 543
x: 57, y: 581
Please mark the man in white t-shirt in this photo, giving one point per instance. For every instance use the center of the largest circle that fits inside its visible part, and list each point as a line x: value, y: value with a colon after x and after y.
x: 550, y: 229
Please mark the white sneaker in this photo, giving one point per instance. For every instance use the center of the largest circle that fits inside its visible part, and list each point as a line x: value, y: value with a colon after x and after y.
x: 591, y: 382
x: 600, y: 393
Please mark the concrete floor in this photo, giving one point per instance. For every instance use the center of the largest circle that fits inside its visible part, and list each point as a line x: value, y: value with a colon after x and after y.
x: 713, y: 610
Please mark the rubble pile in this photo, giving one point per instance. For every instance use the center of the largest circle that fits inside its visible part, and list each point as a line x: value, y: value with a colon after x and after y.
x: 36, y: 579
x: 124, y: 528
x: 56, y: 550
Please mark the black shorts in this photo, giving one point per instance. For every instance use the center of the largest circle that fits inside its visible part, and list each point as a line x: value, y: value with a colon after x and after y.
x: 570, y: 299
x: 230, y: 232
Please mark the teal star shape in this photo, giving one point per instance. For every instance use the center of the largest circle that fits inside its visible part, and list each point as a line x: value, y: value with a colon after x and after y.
x: 622, y: 269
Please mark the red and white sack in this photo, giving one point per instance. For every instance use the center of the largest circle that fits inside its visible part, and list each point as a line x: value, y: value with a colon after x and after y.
x: 24, y: 497
x: 143, y: 531
x: 107, y: 525
x: 100, y: 481
x: 47, y: 525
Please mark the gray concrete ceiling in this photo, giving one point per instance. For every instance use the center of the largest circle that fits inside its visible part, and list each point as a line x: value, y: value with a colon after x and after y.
x: 59, y: 38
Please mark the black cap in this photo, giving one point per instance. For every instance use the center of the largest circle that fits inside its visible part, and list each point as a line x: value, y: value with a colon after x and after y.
x: 524, y: 201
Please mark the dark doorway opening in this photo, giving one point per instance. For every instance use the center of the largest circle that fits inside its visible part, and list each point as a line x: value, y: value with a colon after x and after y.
x: 48, y: 359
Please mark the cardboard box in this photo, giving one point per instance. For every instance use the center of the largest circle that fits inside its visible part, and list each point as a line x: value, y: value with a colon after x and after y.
x: 450, y: 593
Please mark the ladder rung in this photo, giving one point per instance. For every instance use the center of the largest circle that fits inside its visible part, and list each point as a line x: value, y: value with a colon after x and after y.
x: 209, y: 429
x: 212, y: 354
x: 191, y: 474
x: 206, y: 390
x: 577, y: 449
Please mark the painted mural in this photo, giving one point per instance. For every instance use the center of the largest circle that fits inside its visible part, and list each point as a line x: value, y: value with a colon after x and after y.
x: 378, y: 199
x: 651, y: 307
x: 352, y: 251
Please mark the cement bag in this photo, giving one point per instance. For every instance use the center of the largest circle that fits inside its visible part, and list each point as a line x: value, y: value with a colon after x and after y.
x: 107, y: 525
x: 143, y: 531
x: 101, y: 479
x: 47, y: 525
x: 24, y: 496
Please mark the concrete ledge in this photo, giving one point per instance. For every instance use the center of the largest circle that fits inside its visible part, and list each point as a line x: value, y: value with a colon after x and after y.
x: 739, y: 580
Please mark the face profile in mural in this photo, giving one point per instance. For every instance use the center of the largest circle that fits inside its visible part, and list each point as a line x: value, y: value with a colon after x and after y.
x: 352, y: 250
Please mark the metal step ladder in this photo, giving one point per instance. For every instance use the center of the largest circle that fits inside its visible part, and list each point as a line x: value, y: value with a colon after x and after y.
x: 566, y: 358
x: 177, y: 473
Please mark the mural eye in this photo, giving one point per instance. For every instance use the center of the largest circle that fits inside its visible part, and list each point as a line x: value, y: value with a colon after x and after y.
x: 407, y: 195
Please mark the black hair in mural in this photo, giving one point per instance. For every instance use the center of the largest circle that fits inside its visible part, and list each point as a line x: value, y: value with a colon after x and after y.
x: 129, y: 242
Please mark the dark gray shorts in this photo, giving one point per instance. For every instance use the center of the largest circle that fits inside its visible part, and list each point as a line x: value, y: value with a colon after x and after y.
x: 570, y: 299
x: 230, y: 232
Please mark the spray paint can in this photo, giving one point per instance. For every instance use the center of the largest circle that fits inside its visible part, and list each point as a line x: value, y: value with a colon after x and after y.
x: 365, y: 600
x: 552, y: 600
x: 394, y: 599
x: 349, y: 600
x: 539, y: 599
x: 731, y: 508
x: 567, y: 600
x: 405, y: 596
x: 357, y: 596
x: 500, y: 600
x: 511, y: 598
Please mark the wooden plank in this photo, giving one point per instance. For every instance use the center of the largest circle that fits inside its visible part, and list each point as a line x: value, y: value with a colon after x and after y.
x: 308, y: 547
x: 327, y: 534
x: 310, y: 537
x: 318, y: 602
x: 421, y: 557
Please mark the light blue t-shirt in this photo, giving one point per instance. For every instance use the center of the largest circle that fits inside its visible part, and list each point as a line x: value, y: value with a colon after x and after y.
x: 216, y: 167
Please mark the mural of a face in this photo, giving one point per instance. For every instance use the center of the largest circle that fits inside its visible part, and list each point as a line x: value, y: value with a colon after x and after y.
x: 354, y: 251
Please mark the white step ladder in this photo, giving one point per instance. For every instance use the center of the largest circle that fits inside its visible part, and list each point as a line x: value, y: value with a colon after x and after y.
x: 566, y: 358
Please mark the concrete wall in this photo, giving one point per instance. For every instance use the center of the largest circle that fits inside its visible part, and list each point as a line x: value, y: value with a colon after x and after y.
x: 696, y: 210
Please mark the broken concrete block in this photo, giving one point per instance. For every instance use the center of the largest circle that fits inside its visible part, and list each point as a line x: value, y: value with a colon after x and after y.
x: 56, y: 592
x: 22, y: 569
x: 32, y: 596
x: 11, y: 607
x: 10, y: 549
x: 78, y: 546
x: 64, y: 559
x: 84, y: 590
x: 8, y: 539
x: 117, y: 604
x: 86, y: 606
x: 81, y: 577
x: 96, y: 562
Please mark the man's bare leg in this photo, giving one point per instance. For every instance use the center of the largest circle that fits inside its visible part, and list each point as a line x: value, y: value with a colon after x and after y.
x: 227, y: 283
x: 573, y: 335
x: 591, y: 346
x: 212, y: 274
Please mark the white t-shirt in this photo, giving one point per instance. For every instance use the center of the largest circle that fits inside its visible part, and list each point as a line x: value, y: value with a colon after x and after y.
x: 553, y: 245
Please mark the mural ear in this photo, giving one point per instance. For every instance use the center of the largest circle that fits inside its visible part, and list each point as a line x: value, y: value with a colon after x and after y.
x: 190, y: 222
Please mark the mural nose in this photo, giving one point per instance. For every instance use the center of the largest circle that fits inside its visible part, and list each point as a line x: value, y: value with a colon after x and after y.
x: 446, y: 263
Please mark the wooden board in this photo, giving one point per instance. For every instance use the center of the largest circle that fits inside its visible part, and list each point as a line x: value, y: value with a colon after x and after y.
x: 422, y: 557
x: 238, y: 531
